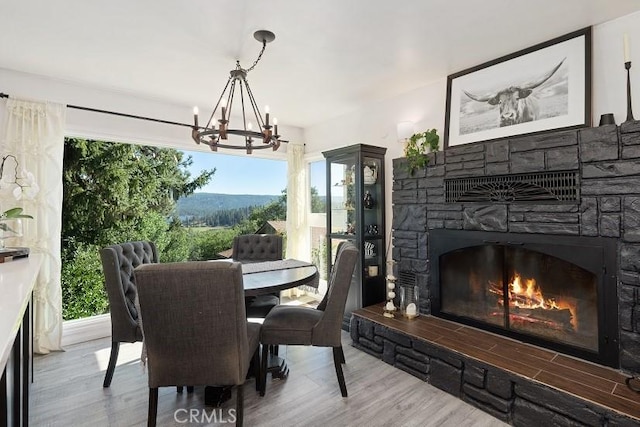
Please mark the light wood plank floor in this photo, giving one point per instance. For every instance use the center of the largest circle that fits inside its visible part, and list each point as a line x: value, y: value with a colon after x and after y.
x: 68, y: 392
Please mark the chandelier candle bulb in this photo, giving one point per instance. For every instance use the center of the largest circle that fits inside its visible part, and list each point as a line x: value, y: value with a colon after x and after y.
x: 627, y: 54
x: 275, y: 126
x: 195, y: 116
x: 266, y: 115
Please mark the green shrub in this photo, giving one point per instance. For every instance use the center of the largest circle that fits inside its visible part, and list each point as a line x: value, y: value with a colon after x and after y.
x: 83, y: 292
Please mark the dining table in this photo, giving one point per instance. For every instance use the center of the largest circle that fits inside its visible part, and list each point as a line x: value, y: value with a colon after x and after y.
x: 267, y: 277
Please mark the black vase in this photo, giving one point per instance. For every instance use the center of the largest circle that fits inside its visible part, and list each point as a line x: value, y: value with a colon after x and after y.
x: 368, y: 201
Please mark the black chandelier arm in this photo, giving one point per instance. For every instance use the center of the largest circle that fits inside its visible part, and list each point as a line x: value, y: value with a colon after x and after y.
x: 254, y: 106
x: 213, y: 113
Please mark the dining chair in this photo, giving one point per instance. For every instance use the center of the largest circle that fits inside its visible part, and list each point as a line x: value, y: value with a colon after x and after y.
x: 294, y: 325
x: 118, y: 263
x: 257, y: 248
x: 195, y: 328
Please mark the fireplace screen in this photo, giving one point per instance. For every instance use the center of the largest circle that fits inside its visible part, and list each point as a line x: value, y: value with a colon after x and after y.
x: 521, y: 290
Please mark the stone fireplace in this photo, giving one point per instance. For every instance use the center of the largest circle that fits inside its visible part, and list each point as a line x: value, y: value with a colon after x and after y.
x: 557, y: 292
x: 590, y: 190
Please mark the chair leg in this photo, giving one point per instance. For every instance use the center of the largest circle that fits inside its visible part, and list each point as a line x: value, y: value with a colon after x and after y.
x: 342, y: 359
x: 115, y: 348
x: 256, y: 369
x: 240, y: 406
x: 153, y: 407
x: 179, y: 389
x: 263, y: 370
x: 337, y: 351
x: 190, y: 389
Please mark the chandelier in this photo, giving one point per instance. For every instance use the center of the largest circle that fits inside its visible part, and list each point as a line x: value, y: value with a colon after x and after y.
x: 265, y: 136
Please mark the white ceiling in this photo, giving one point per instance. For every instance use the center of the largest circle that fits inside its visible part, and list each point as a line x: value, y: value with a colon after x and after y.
x: 329, y: 56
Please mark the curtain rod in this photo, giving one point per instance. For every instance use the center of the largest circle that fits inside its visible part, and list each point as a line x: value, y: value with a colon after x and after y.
x: 130, y: 116
x: 115, y: 113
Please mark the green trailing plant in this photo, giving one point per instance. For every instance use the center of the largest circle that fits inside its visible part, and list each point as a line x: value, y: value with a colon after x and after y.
x: 417, y: 147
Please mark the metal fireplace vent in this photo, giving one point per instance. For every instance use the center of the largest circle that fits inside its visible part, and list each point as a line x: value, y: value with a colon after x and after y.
x: 406, y: 278
x: 527, y: 187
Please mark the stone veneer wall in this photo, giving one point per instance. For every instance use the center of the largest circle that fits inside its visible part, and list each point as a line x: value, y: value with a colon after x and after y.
x: 608, y: 161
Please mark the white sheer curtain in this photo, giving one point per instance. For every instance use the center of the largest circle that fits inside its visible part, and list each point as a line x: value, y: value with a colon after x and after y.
x: 35, y: 135
x: 297, y: 245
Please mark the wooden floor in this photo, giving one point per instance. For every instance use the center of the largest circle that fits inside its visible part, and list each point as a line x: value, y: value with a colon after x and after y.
x: 592, y: 382
x: 68, y: 391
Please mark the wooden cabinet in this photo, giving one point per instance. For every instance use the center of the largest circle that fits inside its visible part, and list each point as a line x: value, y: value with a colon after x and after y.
x: 355, y: 212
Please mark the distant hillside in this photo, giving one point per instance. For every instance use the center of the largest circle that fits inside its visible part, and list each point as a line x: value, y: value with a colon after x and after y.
x: 202, y: 204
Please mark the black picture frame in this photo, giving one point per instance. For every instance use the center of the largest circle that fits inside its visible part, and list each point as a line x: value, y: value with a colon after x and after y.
x: 535, y: 90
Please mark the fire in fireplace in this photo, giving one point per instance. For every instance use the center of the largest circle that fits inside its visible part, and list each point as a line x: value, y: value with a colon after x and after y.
x: 554, y: 291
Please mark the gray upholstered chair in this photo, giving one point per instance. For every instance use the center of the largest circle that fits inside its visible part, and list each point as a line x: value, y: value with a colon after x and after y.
x: 257, y: 248
x: 118, y: 262
x: 294, y: 325
x: 195, y: 327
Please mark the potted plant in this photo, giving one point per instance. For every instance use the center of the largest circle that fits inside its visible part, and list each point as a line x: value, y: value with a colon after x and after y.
x: 418, y: 146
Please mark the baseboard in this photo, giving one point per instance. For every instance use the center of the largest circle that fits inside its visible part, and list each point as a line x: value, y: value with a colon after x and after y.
x: 86, y: 329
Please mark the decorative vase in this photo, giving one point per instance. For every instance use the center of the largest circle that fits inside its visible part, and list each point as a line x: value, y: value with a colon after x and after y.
x: 9, y: 228
x: 369, y: 174
x: 368, y: 201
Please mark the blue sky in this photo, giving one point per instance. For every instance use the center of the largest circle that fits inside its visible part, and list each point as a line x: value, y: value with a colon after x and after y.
x: 243, y: 174
x: 246, y: 174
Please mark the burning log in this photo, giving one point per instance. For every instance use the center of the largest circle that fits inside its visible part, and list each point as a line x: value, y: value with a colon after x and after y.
x: 555, y: 318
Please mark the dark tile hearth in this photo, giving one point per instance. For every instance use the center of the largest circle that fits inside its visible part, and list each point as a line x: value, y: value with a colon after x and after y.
x: 515, y: 382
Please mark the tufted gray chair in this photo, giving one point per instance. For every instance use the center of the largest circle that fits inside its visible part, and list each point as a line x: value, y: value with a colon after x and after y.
x: 295, y: 325
x: 195, y: 327
x: 257, y: 248
x: 118, y: 263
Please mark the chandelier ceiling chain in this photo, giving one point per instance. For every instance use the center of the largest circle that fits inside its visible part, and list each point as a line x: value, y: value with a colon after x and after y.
x: 218, y: 137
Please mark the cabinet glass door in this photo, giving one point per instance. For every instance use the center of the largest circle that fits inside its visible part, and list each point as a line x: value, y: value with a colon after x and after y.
x: 373, y: 229
x: 343, y: 193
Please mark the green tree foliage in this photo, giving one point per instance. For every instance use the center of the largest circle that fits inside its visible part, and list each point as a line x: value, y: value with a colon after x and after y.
x: 115, y: 193
x: 276, y: 210
x: 110, y: 188
x: 83, y: 291
x: 318, y: 204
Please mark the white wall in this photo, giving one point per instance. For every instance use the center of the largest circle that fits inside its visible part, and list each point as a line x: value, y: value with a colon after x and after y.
x: 376, y: 124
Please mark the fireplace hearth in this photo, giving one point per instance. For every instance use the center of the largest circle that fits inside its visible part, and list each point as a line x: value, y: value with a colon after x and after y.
x: 558, y: 292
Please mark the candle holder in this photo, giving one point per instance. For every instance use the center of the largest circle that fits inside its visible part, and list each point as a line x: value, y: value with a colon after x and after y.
x: 627, y: 66
x: 390, y: 307
x: 409, y: 301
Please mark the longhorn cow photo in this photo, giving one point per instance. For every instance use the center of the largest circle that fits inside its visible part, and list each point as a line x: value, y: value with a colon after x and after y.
x: 515, y: 102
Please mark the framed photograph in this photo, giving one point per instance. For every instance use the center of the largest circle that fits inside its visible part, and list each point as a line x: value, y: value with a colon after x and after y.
x: 544, y: 87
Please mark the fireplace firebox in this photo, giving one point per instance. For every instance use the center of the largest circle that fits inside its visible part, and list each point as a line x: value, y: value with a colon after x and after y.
x: 554, y: 291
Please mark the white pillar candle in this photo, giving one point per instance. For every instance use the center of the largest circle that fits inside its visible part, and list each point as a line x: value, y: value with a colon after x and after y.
x: 411, y: 309
x: 627, y: 54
